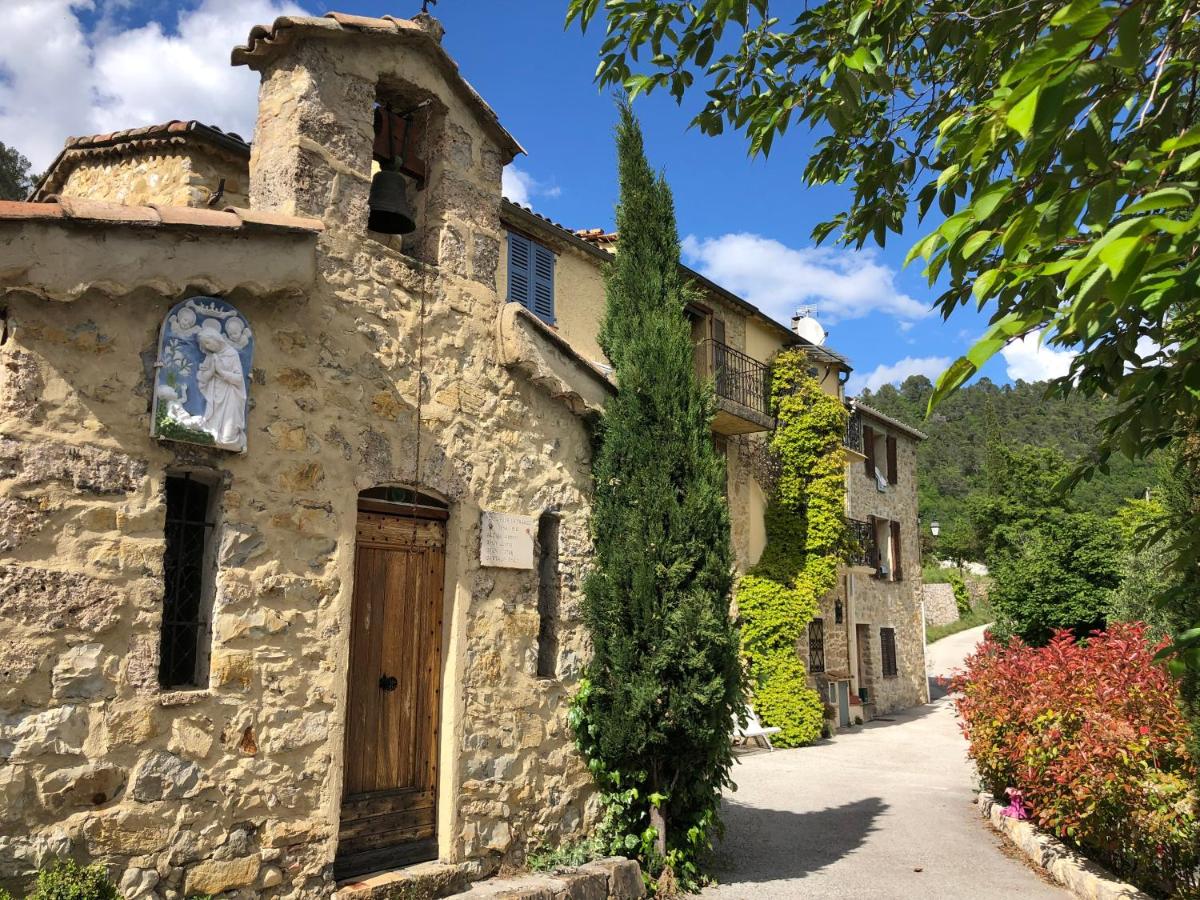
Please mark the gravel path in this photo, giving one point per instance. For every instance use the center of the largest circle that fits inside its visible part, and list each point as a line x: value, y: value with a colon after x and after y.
x: 883, y: 811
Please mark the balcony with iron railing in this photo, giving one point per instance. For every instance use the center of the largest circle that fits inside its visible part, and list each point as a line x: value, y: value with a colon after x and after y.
x: 864, y: 549
x: 742, y: 385
x: 854, y: 431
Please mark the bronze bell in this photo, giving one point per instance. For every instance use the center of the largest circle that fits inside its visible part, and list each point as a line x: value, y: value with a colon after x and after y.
x: 390, y: 212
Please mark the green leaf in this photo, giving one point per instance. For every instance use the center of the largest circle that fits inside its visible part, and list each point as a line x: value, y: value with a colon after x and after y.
x: 1189, y: 138
x: 1004, y: 330
x: 1167, y: 198
x: 1116, y: 254
x: 983, y: 284
x: 923, y: 248
x: 972, y: 244
x: 1020, y: 117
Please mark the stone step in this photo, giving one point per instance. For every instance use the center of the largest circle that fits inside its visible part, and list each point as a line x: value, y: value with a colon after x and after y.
x: 614, y: 878
x: 424, y: 881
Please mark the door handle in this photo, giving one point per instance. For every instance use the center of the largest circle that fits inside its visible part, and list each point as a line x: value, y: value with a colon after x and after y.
x: 388, y: 682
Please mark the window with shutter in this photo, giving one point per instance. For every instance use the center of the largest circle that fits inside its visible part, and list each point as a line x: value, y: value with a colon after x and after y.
x: 897, y: 570
x: 531, y: 276
x: 543, y: 283
x: 520, y: 269
x: 869, y: 450
x: 887, y: 648
x: 893, y: 472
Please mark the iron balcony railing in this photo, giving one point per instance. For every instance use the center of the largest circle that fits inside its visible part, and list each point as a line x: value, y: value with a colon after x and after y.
x: 863, y: 549
x: 854, y: 432
x: 736, y: 376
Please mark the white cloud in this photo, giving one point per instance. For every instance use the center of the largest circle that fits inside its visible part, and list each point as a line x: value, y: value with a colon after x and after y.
x: 929, y: 366
x: 58, y: 80
x: 521, y: 187
x: 838, y: 283
x: 1028, y: 359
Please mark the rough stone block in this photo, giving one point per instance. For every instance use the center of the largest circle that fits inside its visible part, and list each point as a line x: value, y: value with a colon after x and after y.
x: 81, y: 673
x: 61, y: 730
x: 81, y: 786
x: 624, y: 877
x: 485, y: 259
x: 46, y: 600
x: 164, y: 776
x: 87, y: 468
x: 19, y: 521
x: 213, y: 876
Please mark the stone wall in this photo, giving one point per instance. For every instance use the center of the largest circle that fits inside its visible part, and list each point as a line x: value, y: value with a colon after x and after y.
x: 880, y: 602
x: 385, y: 372
x: 940, y: 606
x: 184, y: 175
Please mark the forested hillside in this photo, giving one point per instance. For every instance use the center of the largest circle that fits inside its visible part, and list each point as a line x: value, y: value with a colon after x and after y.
x: 952, y: 461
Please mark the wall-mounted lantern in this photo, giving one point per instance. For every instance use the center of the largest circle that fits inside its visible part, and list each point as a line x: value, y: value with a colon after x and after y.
x: 935, y: 528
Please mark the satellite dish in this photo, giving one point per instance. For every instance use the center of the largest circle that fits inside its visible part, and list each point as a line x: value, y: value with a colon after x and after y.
x: 808, y: 328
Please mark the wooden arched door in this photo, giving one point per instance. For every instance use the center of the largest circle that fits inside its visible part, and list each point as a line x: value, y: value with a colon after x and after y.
x: 389, y: 798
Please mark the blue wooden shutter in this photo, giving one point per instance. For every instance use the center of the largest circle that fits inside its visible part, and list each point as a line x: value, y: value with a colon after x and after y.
x: 520, y: 269
x: 543, y: 284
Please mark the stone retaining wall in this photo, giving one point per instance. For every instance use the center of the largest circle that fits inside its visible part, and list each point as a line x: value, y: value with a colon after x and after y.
x: 940, y: 605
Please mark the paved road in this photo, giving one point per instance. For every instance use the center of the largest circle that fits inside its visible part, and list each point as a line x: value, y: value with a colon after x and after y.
x: 858, y: 815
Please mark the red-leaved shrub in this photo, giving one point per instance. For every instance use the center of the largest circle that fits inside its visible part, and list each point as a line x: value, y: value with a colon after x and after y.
x: 1091, y: 734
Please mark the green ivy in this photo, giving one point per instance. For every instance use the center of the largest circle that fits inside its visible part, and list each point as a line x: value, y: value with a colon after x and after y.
x: 806, y: 543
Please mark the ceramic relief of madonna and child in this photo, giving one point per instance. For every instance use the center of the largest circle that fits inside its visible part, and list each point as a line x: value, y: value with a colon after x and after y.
x: 203, y: 375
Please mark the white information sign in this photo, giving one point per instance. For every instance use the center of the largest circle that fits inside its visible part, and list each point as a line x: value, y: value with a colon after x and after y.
x: 506, y: 540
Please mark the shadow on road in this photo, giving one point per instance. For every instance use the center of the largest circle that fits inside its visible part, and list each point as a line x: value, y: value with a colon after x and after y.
x: 773, y: 844
x: 937, y: 690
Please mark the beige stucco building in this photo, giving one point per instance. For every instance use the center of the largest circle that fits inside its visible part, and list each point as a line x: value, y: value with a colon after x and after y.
x: 295, y: 512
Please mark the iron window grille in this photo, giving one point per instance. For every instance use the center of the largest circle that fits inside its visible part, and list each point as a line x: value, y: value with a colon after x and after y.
x: 816, y: 645
x: 864, y: 550
x: 887, y: 650
x: 184, y: 621
x: 854, y: 431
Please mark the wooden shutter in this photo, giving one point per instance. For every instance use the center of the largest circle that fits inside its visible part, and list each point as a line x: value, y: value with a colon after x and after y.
x: 897, y: 569
x: 869, y: 450
x: 887, y: 651
x: 892, y: 471
x: 874, y: 557
x: 520, y: 269
x: 718, y: 330
x: 543, y: 283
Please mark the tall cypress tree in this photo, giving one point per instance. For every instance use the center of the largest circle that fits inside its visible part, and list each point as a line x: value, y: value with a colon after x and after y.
x: 656, y: 709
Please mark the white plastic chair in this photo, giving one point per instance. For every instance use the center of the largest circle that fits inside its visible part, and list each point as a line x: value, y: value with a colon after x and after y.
x: 754, y: 729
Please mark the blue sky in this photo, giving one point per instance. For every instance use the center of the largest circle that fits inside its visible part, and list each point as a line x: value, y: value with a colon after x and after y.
x: 746, y: 223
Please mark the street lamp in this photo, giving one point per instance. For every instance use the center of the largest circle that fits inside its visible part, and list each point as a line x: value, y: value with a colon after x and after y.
x: 935, y: 528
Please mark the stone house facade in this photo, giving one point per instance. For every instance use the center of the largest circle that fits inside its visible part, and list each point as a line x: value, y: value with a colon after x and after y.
x: 294, y: 511
x: 395, y: 411
x: 866, y: 652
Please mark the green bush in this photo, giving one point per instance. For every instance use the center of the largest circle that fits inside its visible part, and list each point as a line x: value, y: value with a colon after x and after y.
x: 566, y: 856
x: 67, y: 880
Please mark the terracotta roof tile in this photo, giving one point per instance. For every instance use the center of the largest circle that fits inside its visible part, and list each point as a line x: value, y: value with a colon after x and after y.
x: 265, y: 43
x: 190, y: 215
x: 175, y: 128
x: 274, y: 221
x: 73, y: 211
x: 81, y: 210
x: 596, y: 236
x: 18, y: 209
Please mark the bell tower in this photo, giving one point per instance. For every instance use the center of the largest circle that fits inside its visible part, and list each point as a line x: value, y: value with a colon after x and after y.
x: 367, y: 124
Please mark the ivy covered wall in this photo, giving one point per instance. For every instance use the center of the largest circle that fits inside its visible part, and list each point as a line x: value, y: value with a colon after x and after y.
x: 806, y: 543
